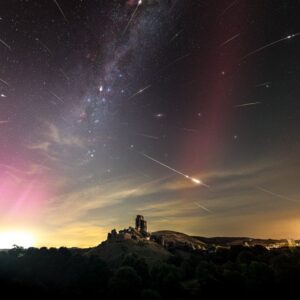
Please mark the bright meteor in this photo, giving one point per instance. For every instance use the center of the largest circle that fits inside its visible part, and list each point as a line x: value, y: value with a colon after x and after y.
x: 194, y: 180
x: 270, y: 45
x: 132, y: 16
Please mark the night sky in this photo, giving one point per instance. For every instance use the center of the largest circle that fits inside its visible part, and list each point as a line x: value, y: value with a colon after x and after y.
x: 184, y: 111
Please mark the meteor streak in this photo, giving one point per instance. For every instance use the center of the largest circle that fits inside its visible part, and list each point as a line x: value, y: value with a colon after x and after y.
x: 5, y: 82
x: 147, y: 136
x: 203, y: 207
x: 264, y: 84
x: 270, y: 45
x: 132, y: 16
x: 195, y: 180
x: 45, y: 46
x: 5, y: 44
x: 61, y: 11
x: 176, y: 35
x: 230, y: 39
x: 190, y: 130
x: 58, y: 98
x: 276, y: 195
x: 175, y: 61
x: 227, y: 8
x: 247, y: 104
x: 64, y: 74
x: 140, y: 91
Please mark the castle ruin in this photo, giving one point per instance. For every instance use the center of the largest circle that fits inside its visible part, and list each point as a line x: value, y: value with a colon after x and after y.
x: 140, y: 224
x: 138, y: 233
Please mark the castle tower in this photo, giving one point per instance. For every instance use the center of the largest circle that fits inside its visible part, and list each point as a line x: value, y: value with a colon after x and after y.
x: 140, y: 223
x: 144, y: 226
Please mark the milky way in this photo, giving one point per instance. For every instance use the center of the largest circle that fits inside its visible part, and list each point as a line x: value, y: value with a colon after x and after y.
x: 122, y: 74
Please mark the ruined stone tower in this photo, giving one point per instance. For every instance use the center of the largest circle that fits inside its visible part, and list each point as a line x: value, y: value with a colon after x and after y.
x: 140, y: 224
x: 137, y: 233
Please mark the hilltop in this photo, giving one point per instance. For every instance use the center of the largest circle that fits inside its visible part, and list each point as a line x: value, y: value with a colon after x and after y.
x: 164, y: 244
x: 114, y: 251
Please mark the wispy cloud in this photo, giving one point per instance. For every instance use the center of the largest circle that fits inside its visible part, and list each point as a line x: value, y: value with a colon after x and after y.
x: 53, y: 144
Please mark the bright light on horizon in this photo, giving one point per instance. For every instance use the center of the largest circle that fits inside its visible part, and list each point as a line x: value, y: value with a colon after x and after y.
x: 20, y: 238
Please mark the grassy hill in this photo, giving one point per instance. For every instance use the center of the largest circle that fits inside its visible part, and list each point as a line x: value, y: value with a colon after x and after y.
x: 173, y: 239
x: 114, y: 251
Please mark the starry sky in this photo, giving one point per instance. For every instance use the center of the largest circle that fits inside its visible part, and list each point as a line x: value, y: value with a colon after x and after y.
x: 184, y: 111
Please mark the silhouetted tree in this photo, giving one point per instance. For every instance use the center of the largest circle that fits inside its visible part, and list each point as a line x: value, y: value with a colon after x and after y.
x: 125, y: 283
x: 138, y: 264
x: 239, y: 272
x: 150, y: 295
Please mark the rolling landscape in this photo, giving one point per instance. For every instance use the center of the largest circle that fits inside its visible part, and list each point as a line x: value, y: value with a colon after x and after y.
x: 160, y: 265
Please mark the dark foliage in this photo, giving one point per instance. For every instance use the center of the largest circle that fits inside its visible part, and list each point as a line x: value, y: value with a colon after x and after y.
x: 236, y: 273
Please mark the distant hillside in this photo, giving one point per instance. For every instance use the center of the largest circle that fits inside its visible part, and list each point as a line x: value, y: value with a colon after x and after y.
x: 172, y: 239
x: 161, y: 245
x: 245, y: 241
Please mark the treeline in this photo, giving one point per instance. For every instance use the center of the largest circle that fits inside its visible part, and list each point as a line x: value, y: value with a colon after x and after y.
x: 236, y: 273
